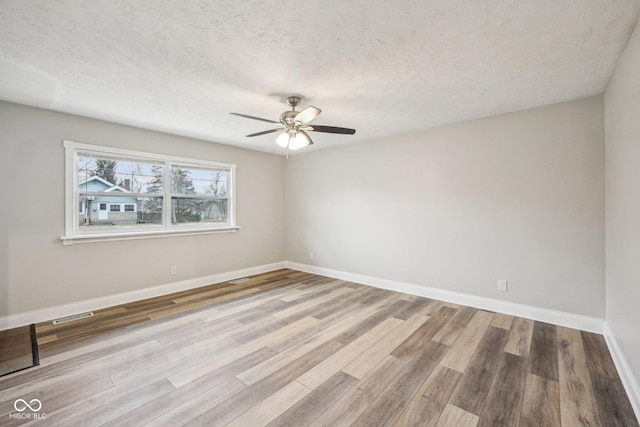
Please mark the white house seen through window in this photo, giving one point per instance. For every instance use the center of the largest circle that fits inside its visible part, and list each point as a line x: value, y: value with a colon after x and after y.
x: 121, y: 191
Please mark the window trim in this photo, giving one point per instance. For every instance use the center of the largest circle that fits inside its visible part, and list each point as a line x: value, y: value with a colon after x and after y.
x: 74, y: 235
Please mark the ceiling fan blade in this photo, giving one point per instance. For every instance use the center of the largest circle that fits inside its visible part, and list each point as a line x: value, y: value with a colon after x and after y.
x: 265, y: 132
x: 306, y: 115
x: 331, y: 129
x: 254, y: 118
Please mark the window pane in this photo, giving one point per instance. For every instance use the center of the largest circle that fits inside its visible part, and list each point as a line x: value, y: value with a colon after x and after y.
x: 109, y: 214
x: 113, y: 175
x: 199, y: 181
x: 189, y: 211
x: 103, y: 184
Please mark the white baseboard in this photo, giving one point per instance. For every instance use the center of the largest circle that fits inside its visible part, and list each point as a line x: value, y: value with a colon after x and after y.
x: 628, y: 380
x: 570, y: 320
x: 45, y: 314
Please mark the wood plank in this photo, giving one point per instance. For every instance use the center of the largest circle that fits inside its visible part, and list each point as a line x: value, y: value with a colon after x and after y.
x: 324, y: 370
x: 541, y: 403
x: 312, y: 303
x: 472, y: 390
x: 180, y: 307
x: 59, y: 395
x: 306, y: 290
x: 343, y: 317
x: 568, y: 334
x: 452, y: 416
x: 502, y: 321
x: 428, y: 403
x: 519, y: 341
x: 416, y: 306
x: 613, y: 403
x: 186, y: 410
x: 352, y: 404
x: 261, y: 312
x: 224, y: 291
x: 170, y: 360
x: 577, y: 402
x: 271, y: 407
x: 393, y: 306
x: 504, y: 399
x: 233, y: 407
x: 412, y: 346
x: 315, y: 403
x: 95, y: 367
x: 432, y: 308
x: 101, y: 408
x: 599, y: 359
x: 287, y: 355
x: 210, y: 385
x: 543, y: 356
x: 464, y: 347
x: 388, y: 406
x: 448, y: 334
x: 47, y: 339
x: 343, y: 303
x: 370, y: 358
x: 180, y: 378
x: 256, y: 300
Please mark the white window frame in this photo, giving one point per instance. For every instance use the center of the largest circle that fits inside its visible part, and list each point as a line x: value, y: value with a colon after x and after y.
x: 73, y: 233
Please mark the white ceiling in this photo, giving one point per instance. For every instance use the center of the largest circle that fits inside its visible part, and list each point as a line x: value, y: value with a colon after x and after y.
x: 381, y: 67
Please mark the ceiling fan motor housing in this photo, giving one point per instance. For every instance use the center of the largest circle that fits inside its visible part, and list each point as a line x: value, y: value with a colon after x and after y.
x: 287, y: 117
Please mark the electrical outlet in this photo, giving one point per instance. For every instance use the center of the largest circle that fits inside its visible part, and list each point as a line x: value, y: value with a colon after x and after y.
x: 310, y: 255
x: 502, y: 286
x: 174, y: 270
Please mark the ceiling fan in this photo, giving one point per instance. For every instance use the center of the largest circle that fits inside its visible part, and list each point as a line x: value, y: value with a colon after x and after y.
x: 295, y: 124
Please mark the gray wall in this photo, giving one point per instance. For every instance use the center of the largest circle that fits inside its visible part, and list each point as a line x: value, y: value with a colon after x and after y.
x: 36, y: 271
x: 622, y: 135
x: 518, y: 196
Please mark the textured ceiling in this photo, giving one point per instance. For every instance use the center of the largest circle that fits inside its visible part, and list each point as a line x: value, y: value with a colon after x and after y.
x: 381, y: 67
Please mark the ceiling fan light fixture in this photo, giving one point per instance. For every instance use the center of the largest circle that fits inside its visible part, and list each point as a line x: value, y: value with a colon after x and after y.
x: 283, y: 140
x: 299, y: 140
x: 293, y: 140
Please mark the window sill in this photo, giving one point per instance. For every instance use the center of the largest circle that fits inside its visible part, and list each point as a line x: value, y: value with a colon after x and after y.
x: 109, y: 237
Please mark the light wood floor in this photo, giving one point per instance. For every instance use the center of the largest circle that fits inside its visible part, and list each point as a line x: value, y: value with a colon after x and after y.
x: 294, y: 349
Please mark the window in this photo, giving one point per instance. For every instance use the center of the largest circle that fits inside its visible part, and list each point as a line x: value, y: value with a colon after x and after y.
x: 122, y: 194
x: 198, y: 195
